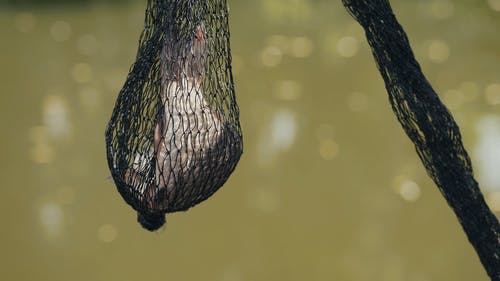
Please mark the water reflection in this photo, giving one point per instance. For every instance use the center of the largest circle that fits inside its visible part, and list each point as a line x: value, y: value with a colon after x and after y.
x: 55, y: 113
x: 301, y: 47
x: 492, y: 94
x: 279, y: 136
x: 328, y: 149
x: 51, y: 219
x: 494, y: 5
x: 82, y: 73
x: 438, y: 51
x: 493, y: 200
x: 107, y: 233
x: 280, y: 45
x: 487, y: 152
x: 271, y: 56
x: 42, y: 152
x: 441, y: 9
x: 408, y: 189
x: 287, y: 90
x: 60, y: 31
x: 347, y: 46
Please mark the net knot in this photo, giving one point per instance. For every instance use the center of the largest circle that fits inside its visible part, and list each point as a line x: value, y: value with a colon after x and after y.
x: 151, y: 222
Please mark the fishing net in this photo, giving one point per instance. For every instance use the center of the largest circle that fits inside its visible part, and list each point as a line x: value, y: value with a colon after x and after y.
x: 174, y: 135
x: 430, y: 126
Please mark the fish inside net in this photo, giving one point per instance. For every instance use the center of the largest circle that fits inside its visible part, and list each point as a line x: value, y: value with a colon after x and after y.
x: 174, y: 136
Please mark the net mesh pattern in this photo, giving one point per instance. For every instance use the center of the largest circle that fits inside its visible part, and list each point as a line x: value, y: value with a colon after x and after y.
x: 430, y: 126
x: 174, y: 136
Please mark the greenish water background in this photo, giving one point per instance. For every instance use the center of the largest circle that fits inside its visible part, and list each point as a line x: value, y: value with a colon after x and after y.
x: 329, y: 187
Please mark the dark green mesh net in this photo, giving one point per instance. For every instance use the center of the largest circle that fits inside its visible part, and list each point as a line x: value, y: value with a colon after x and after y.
x: 174, y: 135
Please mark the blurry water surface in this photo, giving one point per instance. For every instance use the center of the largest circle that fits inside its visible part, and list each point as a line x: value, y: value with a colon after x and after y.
x: 329, y: 187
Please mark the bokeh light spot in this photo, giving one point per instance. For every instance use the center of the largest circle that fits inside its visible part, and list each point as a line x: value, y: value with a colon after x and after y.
x: 328, y: 149
x: 487, y: 151
x: 281, y: 41
x: 288, y: 90
x: 51, y: 219
x: 493, y: 199
x: 301, y: 47
x: 82, y: 73
x: 55, y: 112
x: 279, y: 136
x: 438, y: 51
x: 442, y: 9
x: 406, y: 188
x: 107, y: 233
x: 492, y: 94
x: 409, y: 190
x: 347, y: 46
x: 60, y: 31
x: 42, y: 153
x: 494, y: 5
x: 271, y: 56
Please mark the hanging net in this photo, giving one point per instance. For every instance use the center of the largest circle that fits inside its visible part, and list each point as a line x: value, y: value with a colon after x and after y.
x: 174, y: 135
x: 430, y: 126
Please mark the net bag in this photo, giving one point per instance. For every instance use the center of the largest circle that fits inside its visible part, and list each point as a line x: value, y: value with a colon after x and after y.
x: 174, y: 136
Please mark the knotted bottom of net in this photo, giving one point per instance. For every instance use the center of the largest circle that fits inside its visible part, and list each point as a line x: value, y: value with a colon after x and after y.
x: 151, y: 222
